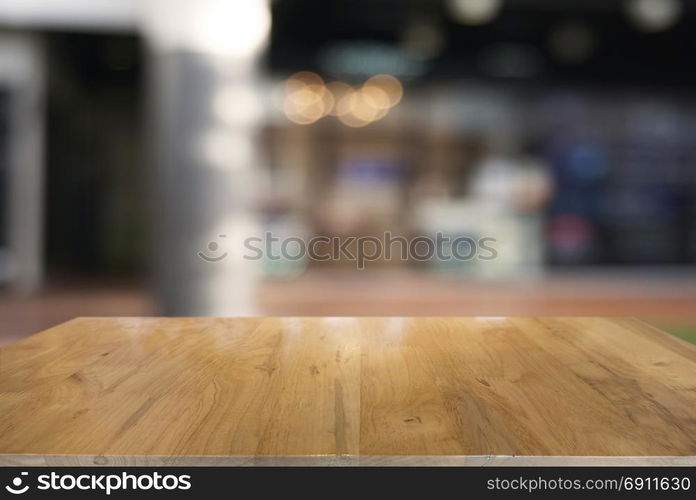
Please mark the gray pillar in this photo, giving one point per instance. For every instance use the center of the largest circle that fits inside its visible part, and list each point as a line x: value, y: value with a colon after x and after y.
x: 205, y: 111
x: 21, y: 74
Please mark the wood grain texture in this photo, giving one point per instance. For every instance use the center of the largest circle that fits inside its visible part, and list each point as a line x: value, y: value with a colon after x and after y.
x: 346, y: 391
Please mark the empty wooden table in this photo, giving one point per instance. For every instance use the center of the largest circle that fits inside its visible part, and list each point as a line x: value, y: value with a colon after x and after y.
x: 479, y: 390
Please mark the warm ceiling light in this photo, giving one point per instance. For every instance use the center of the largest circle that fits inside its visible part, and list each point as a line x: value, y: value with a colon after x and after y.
x: 353, y: 121
x: 362, y: 108
x: 304, y: 114
x: 338, y: 90
x: 307, y: 99
x: 473, y: 12
x: 355, y: 111
x: 302, y: 80
x: 654, y: 15
x: 387, y: 85
x: 377, y: 97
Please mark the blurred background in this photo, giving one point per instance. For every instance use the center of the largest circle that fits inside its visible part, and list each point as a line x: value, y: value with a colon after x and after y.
x: 136, y: 134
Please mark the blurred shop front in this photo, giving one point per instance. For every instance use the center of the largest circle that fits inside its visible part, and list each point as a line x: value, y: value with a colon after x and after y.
x: 138, y: 136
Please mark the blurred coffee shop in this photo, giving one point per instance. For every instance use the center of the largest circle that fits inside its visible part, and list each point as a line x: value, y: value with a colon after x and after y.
x: 138, y: 136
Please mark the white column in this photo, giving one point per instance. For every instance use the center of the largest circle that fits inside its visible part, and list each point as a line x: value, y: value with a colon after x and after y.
x: 206, y: 112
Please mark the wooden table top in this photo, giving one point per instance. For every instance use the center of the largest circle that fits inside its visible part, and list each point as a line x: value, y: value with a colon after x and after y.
x: 348, y: 391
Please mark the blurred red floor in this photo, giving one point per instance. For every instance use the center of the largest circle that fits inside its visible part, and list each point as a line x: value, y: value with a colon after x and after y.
x: 663, y: 299
x: 23, y: 316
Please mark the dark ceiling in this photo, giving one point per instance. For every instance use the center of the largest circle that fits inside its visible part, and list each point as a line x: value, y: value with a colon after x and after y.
x: 304, y: 29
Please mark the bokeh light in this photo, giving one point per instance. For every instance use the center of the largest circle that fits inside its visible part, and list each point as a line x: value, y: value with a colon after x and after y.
x: 654, y: 15
x: 338, y: 91
x: 308, y: 99
x: 386, y: 84
x: 474, y: 12
x: 355, y: 110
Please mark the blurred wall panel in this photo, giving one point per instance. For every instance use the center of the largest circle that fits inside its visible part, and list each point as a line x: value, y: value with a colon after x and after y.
x: 22, y: 83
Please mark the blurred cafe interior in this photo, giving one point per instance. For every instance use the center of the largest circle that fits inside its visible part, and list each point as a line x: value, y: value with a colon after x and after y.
x: 138, y: 136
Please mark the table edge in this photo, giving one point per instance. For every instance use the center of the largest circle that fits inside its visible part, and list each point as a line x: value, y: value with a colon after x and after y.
x: 36, y: 460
